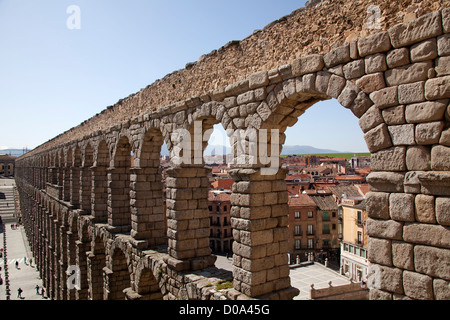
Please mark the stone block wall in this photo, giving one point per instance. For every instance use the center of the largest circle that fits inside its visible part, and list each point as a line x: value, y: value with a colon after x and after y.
x: 396, y: 84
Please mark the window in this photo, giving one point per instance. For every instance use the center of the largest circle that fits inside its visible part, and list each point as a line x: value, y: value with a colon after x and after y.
x: 310, y: 214
x: 297, y: 215
x: 210, y: 208
x: 225, y: 221
x: 326, y: 229
x: 325, y: 216
x: 218, y: 209
x: 334, y: 214
x: 334, y: 226
x: 297, y: 230
x: 224, y: 208
x: 310, y: 243
x: 298, y: 244
x: 359, y: 217
x: 360, y: 237
x: 310, y: 230
x: 326, y: 243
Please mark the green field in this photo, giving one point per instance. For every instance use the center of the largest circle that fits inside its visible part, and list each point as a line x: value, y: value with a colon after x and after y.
x: 333, y: 155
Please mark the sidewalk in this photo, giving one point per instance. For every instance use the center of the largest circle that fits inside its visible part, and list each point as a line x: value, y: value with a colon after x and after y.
x: 25, y: 276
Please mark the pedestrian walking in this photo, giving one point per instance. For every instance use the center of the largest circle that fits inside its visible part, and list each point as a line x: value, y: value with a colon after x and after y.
x: 37, y: 289
x: 17, y: 264
x: 31, y: 262
x: 25, y: 260
x: 19, y: 293
x: 42, y: 291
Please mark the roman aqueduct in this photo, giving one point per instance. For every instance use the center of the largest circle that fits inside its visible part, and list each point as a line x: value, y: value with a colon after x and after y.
x: 93, y: 196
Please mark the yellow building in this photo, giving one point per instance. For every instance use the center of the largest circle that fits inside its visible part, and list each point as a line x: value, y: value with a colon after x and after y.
x: 354, y: 262
x: 7, y: 165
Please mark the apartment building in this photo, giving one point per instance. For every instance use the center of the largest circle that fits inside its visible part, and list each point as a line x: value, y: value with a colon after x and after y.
x: 354, y: 263
x: 221, y: 236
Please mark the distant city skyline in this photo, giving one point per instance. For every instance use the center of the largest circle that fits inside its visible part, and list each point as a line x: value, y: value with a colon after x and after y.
x: 63, y: 62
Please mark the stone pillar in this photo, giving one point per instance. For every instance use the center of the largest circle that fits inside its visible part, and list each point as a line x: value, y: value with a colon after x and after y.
x: 147, y: 212
x: 119, y: 213
x: 99, y: 194
x: 71, y: 260
x: 95, y: 264
x: 66, y: 184
x: 188, y: 218
x: 75, y: 187
x: 259, y: 218
x: 85, y: 190
x: 81, y: 261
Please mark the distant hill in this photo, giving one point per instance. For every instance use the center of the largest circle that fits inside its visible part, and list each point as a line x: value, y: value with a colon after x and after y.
x: 13, y: 152
x: 288, y: 150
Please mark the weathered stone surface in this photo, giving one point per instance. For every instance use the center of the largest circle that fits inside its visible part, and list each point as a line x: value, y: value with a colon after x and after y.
x: 443, y: 45
x: 380, y: 251
x: 425, y: 209
x: 423, y: 51
x: 385, y: 229
x: 308, y: 64
x: 446, y: 19
x: 443, y: 211
x: 335, y: 86
x: 402, y: 255
x: 425, y: 111
x: 386, y: 181
x: 360, y: 104
x: 434, y: 262
x: 392, y: 159
x: 443, y: 66
x: 385, y: 98
x: 401, y: 207
x: 402, y: 134
x: 258, y: 79
x: 398, y: 58
x: 438, y: 88
x: 425, y: 27
x: 337, y: 56
x: 377, y: 205
x: 429, y: 133
x: 412, y: 182
x: 418, y: 158
x: 375, y: 63
x: 379, y: 42
x: 322, y: 79
x: 427, y: 234
x: 394, y: 115
x: 370, y: 119
x: 371, y: 82
x: 418, y: 286
x: 411, y: 93
x: 408, y: 74
x: 441, y: 289
x: 445, y: 138
x: 354, y: 69
x: 378, y: 138
x: 348, y: 94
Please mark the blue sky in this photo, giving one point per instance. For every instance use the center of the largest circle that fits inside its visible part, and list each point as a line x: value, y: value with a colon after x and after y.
x: 53, y: 78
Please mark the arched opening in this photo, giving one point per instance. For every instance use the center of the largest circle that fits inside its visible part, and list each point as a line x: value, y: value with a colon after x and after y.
x: 99, y: 202
x: 86, y: 180
x: 119, y: 213
x: 96, y: 262
x: 75, y: 178
x: 118, y: 277
x: 147, y: 285
x: 148, y: 214
x: 327, y: 161
x: 66, y: 174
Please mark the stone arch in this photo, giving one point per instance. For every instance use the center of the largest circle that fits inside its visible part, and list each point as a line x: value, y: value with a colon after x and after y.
x: 99, y: 205
x: 96, y: 262
x: 86, y: 179
x: 147, y: 209
x: 146, y: 284
x: 119, y: 210
x: 117, y: 275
